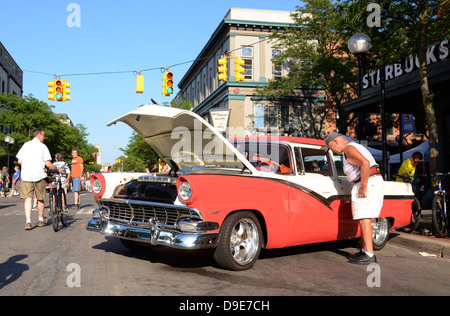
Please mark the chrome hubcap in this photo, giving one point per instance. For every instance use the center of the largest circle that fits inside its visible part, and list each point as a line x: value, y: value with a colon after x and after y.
x: 380, y: 230
x: 244, y: 241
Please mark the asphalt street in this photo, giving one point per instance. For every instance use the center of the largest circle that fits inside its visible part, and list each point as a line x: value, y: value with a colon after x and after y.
x: 76, y: 262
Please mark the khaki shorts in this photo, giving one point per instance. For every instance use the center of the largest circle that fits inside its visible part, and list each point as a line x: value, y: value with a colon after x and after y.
x: 30, y: 189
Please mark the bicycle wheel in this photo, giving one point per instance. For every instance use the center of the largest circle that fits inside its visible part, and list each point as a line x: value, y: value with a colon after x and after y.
x: 54, y: 211
x: 62, y: 212
x: 439, y: 218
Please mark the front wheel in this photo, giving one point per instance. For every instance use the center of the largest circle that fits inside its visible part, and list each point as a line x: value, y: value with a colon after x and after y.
x: 380, y: 235
x: 63, y: 212
x: 53, y: 212
x: 439, y: 218
x: 240, y: 242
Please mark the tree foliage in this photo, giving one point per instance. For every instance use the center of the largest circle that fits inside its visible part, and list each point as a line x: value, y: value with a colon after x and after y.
x: 25, y: 114
x: 138, y: 155
x: 316, y: 54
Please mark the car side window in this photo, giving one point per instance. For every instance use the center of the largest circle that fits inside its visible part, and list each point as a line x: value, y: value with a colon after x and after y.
x: 339, y: 163
x: 315, y: 161
x: 270, y: 157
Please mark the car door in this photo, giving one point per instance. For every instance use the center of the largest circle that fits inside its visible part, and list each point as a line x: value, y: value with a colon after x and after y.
x: 319, y: 208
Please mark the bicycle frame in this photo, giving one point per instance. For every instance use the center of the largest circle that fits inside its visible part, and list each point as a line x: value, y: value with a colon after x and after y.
x: 56, y: 206
x: 440, y: 221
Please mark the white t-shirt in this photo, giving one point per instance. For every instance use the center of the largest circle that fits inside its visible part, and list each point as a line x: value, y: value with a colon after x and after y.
x: 33, y: 154
x: 353, y: 172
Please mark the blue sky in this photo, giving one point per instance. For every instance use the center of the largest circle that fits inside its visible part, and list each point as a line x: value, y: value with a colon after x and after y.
x: 113, y: 36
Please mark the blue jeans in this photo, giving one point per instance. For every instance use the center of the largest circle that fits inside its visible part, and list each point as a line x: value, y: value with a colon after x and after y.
x: 76, y: 184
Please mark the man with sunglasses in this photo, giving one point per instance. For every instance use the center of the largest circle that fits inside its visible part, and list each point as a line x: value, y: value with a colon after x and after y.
x: 408, y: 167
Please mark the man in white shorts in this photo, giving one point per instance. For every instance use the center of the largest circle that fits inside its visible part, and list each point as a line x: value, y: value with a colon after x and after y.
x: 367, y: 193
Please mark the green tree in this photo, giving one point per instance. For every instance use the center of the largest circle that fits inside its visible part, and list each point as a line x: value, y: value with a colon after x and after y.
x: 138, y: 154
x: 25, y: 114
x: 314, y: 50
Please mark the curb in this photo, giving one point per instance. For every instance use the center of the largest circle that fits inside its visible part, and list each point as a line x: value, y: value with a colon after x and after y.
x: 417, y: 243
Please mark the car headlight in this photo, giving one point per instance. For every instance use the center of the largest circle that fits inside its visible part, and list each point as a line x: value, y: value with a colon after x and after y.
x: 97, y: 186
x: 185, y: 191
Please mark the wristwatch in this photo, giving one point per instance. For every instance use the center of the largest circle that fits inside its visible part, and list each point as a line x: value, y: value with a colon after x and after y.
x: 364, y: 186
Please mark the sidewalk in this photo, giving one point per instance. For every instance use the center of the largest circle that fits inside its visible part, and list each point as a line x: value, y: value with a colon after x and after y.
x: 422, y: 240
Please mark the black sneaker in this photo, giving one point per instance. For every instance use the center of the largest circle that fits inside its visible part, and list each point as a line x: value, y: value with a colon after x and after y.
x: 362, y: 259
x: 352, y: 256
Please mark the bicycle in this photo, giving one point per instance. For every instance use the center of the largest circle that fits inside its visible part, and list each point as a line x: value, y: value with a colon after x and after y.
x: 440, y: 216
x: 56, y: 196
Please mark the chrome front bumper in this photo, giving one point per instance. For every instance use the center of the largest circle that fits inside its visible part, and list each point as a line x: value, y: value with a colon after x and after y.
x: 186, y: 234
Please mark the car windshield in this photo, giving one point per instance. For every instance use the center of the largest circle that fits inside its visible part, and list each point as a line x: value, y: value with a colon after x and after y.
x: 266, y: 156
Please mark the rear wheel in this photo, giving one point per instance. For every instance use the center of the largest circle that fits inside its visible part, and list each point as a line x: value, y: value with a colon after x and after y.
x: 380, y: 232
x: 240, y: 242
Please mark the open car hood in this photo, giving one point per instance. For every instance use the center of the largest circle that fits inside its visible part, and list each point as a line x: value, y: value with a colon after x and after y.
x: 182, y: 138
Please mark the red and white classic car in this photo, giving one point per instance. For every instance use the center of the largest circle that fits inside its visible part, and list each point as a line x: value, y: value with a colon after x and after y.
x: 234, y: 196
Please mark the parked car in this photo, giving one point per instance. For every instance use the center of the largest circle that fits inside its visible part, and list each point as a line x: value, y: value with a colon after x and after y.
x: 236, y: 196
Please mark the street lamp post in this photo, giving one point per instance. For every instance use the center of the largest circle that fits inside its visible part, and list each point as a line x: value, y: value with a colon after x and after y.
x: 9, y: 141
x: 359, y: 45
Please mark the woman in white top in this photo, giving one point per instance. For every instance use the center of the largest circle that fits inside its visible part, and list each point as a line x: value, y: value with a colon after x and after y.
x: 367, y: 193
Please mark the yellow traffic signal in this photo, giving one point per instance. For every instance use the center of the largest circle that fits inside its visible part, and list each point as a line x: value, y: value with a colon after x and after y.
x: 239, y: 70
x: 52, y: 90
x: 59, y: 90
x: 222, y: 69
x: 167, y: 83
x: 139, y: 83
x: 66, y: 91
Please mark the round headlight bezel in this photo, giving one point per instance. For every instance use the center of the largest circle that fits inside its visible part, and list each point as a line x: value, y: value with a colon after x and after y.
x: 185, y: 191
x: 97, y: 186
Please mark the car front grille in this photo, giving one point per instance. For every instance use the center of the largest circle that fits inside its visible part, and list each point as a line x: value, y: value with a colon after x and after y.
x: 139, y: 212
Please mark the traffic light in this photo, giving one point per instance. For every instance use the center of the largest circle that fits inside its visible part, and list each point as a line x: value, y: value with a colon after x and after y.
x: 167, y: 83
x: 222, y: 69
x: 139, y: 83
x: 52, y: 90
x: 59, y: 90
x: 66, y: 91
x: 239, y: 70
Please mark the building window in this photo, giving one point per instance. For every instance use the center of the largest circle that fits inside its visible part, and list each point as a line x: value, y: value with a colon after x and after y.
x: 259, y: 116
x: 277, y: 67
x: 284, y: 116
x: 272, y: 116
x: 247, y: 52
x: 248, y: 66
x: 297, y: 118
